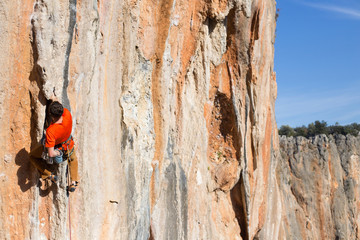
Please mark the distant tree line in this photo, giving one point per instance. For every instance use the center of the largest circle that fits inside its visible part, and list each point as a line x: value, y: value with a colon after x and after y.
x: 317, y: 128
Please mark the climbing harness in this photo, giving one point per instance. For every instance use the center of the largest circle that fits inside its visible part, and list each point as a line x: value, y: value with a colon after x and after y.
x: 66, y: 148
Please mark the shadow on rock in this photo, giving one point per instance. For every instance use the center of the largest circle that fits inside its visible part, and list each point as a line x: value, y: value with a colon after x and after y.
x: 45, y: 187
x: 28, y: 175
x: 25, y: 173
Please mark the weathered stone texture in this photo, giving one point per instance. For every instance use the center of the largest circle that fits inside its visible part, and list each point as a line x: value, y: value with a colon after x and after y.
x: 320, y: 186
x: 173, y: 109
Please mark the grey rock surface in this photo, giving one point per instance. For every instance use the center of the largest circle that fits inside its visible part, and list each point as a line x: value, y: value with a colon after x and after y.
x: 320, y: 186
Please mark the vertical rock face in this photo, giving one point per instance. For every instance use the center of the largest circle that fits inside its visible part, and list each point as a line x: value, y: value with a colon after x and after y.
x: 173, y: 109
x: 320, y: 184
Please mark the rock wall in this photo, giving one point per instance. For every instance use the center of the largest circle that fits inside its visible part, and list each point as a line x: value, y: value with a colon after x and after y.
x: 173, y: 109
x: 320, y: 181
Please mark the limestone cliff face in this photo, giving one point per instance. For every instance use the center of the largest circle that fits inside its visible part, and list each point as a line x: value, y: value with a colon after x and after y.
x: 173, y: 109
x: 320, y: 182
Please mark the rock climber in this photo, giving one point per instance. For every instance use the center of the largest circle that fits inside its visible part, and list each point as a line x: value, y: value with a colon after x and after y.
x: 59, y: 146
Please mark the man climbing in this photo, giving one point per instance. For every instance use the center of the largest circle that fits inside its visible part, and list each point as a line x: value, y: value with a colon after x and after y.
x: 59, y: 145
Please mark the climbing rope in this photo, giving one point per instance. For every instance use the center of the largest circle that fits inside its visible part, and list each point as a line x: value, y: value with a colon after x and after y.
x: 68, y: 188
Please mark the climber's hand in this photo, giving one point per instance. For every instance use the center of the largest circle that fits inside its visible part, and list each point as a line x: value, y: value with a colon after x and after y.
x: 52, y: 152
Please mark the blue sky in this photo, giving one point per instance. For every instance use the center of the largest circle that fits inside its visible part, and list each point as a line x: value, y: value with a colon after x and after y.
x: 317, y: 62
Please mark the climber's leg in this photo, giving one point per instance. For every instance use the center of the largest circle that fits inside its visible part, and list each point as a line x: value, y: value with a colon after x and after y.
x: 73, y: 167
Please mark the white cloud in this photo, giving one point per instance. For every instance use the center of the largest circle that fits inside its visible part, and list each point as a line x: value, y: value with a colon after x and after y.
x: 339, y: 105
x: 350, y: 116
x: 353, y: 13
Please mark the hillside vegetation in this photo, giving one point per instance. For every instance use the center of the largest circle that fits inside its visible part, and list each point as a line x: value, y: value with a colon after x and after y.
x: 318, y: 127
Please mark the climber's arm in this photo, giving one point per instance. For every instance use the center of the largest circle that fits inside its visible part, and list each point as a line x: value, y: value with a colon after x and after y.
x: 50, y: 144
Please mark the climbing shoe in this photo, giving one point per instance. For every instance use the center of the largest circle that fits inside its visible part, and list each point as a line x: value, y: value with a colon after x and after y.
x: 53, y: 178
x: 73, y: 186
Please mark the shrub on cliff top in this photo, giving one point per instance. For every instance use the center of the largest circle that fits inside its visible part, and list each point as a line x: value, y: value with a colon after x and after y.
x: 317, y: 128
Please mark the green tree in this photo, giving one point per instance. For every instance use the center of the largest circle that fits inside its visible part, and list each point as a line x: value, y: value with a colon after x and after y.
x: 318, y: 127
x: 350, y: 129
x: 301, y: 131
x: 321, y: 127
x: 336, y: 129
x: 311, y: 130
x: 356, y: 126
x: 287, y: 131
